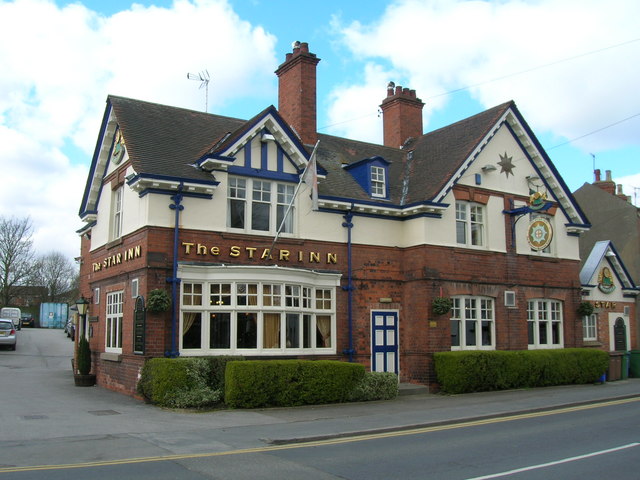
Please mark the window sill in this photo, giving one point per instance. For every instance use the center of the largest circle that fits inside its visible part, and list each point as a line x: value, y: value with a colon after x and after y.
x: 111, y: 357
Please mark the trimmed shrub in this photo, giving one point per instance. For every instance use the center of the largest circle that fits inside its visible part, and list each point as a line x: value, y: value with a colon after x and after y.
x: 464, y: 372
x: 375, y: 386
x: 193, y: 382
x: 84, y: 356
x: 261, y: 383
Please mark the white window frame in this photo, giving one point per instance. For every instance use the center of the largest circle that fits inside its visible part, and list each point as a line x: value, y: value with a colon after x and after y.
x: 116, y: 212
x: 474, y: 310
x: 297, y: 300
x: 113, y: 324
x: 472, y: 217
x: 378, y: 182
x: 590, y: 328
x: 135, y: 288
x: 544, y: 313
x: 252, y: 194
x: 96, y: 296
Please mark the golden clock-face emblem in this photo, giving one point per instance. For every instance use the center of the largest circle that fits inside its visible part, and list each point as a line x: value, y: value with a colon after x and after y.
x: 540, y: 234
x: 118, y: 148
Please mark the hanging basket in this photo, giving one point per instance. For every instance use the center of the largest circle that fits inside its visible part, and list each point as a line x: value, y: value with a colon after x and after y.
x: 585, y: 309
x: 442, y: 305
x: 158, y: 301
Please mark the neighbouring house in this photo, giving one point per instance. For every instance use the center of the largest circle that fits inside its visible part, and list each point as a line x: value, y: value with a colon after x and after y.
x: 614, y: 218
x: 610, y: 290
x: 275, y: 241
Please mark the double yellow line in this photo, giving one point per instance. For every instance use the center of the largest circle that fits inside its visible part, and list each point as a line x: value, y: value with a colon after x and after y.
x: 330, y: 441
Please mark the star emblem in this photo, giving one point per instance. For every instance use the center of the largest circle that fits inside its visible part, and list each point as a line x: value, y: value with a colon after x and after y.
x: 505, y: 164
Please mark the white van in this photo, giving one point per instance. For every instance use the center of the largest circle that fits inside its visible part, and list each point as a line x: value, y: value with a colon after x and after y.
x: 13, y: 314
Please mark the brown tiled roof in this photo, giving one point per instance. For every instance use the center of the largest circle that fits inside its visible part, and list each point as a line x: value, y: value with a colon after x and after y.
x: 164, y: 140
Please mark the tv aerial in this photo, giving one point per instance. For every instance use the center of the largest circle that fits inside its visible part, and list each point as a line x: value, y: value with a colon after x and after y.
x: 203, y: 78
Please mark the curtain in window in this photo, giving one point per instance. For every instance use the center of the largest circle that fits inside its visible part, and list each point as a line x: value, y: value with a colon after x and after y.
x: 271, y: 330
x: 187, y: 321
x: 323, y: 324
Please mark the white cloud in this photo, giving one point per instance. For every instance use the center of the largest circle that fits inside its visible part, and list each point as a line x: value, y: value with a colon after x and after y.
x: 439, y: 46
x: 59, y: 65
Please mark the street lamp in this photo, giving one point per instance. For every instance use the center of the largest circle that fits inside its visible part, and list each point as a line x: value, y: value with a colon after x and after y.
x: 82, y: 304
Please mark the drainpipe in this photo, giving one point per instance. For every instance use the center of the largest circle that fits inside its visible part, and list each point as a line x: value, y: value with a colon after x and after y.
x: 174, y: 280
x: 348, y: 224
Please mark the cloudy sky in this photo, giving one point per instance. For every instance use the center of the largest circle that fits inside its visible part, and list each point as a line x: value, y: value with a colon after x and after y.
x: 572, y: 67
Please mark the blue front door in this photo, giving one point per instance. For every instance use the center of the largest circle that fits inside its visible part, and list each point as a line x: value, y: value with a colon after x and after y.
x: 384, y: 341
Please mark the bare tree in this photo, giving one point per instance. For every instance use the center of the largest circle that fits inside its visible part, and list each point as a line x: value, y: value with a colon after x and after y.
x: 16, y: 255
x: 58, y: 274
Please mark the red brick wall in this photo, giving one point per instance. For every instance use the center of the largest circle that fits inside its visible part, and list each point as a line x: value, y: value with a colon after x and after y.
x: 408, y: 279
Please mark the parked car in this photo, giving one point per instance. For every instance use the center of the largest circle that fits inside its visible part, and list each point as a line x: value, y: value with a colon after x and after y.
x: 7, y: 333
x: 70, y: 329
x: 27, y: 320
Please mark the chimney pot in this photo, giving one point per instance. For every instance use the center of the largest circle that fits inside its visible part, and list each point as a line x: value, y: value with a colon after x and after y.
x: 608, y: 174
x: 597, y: 174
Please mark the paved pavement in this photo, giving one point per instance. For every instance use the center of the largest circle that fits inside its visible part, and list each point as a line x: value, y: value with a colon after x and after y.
x: 47, y: 414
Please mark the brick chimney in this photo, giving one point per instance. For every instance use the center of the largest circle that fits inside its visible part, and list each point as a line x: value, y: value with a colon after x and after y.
x: 297, y: 92
x: 402, y: 115
x: 608, y: 185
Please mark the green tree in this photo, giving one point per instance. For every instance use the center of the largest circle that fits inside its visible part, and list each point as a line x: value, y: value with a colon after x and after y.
x: 16, y: 255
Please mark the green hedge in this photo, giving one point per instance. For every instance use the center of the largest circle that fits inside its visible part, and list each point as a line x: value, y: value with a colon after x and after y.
x: 463, y: 372
x: 192, y: 382
x: 375, y: 386
x: 258, y: 383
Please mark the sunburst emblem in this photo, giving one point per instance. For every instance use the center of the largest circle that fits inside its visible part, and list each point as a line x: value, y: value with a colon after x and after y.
x: 540, y: 234
x: 506, y: 166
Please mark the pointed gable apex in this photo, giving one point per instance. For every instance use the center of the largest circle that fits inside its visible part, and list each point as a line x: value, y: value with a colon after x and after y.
x: 484, y: 127
x: 222, y: 155
x: 603, y: 254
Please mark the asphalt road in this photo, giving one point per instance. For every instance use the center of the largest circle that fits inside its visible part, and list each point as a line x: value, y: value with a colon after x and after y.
x: 51, y: 429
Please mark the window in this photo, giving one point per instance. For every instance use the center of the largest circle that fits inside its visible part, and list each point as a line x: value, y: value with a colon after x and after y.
x: 96, y: 295
x: 469, y: 223
x: 267, y: 208
x: 260, y: 317
x: 378, y: 182
x: 472, y: 323
x: 237, y: 202
x: 114, y: 322
x: 116, y: 213
x: 544, y: 321
x: 590, y: 327
x: 135, y: 291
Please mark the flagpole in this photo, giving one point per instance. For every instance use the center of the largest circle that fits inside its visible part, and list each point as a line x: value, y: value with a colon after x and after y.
x: 293, y: 198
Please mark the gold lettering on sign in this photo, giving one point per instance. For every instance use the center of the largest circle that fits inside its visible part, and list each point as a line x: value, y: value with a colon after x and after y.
x: 250, y: 253
x: 604, y: 304
x: 118, y: 258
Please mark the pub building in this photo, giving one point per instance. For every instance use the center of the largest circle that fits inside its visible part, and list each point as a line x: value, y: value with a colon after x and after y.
x: 275, y: 241
x: 610, y: 294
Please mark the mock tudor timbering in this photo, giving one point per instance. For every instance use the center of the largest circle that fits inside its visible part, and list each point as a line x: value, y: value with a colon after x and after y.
x: 222, y: 213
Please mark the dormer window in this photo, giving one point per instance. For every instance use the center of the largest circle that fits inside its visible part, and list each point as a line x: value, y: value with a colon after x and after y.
x: 371, y: 175
x: 378, y: 182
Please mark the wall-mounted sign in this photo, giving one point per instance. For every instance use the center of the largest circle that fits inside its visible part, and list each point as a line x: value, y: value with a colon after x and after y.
x: 118, y: 258
x: 605, y: 281
x: 260, y: 253
x: 118, y: 148
x: 540, y: 233
x: 139, y: 322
